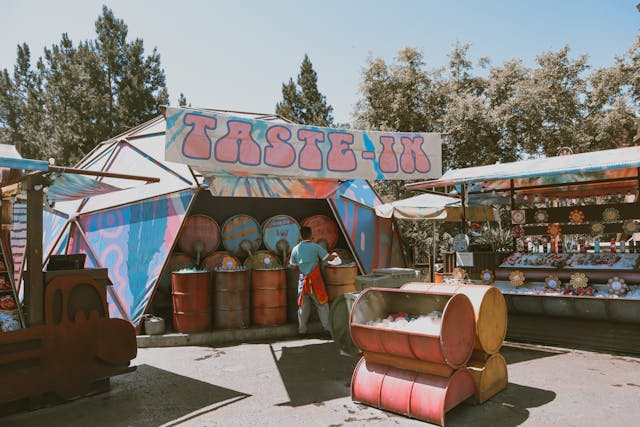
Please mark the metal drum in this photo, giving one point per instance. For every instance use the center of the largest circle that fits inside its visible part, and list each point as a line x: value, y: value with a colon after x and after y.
x: 339, y: 279
x: 446, y: 341
x: 241, y: 235
x: 191, y: 293
x: 280, y: 234
x: 490, y: 376
x: 176, y: 262
x: 293, y: 276
x: 339, y: 312
x: 262, y: 259
x: 221, y: 259
x: 268, y: 296
x: 324, y: 230
x: 489, y: 307
x: 231, y: 309
x: 414, y: 394
x: 200, y: 236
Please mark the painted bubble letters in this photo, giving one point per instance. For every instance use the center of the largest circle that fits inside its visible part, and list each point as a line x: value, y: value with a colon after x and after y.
x: 219, y: 142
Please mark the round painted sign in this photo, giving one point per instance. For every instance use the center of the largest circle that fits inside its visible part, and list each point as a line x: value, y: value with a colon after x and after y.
x: 241, y: 235
x: 263, y: 259
x: 220, y: 260
x: 460, y: 242
x: 280, y: 233
x: 324, y: 230
x: 200, y: 233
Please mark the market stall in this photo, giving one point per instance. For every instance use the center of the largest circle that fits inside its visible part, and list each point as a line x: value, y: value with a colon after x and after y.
x: 573, y: 273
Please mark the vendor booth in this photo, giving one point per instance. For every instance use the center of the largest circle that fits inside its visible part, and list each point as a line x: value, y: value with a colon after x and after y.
x: 250, y: 205
x: 572, y: 273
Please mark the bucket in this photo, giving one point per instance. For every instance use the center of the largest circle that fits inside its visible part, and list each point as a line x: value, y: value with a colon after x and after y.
x: 441, y: 277
x: 339, y: 279
x: 199, y: 229
x: 414, y: 394
x: 191, y: 292
x: 448, y: 339
x: 231, y: 299
x: 339, y: 312
x: 268, y: 296
x: 489, y: 308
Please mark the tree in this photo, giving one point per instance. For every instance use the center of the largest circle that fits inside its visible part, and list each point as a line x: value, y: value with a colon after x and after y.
x: 302, y: 102
x: 78, y: 96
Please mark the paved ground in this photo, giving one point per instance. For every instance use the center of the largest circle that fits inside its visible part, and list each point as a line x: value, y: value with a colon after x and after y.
x: 306, y: 383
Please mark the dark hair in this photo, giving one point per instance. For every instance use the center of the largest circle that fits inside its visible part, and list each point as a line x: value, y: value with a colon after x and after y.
x: 305, y: 232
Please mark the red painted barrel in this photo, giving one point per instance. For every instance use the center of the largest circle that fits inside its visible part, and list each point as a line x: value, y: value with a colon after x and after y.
x: 269, y: 296
x: 448, y: 340
x: 324, y: 230
x: 176, y: 262
x: 191, y: 292
x: 340, y: 279
x: 220, y: 259
x: 418, y: 395
x: 231, y: 309
x: 199, y: 229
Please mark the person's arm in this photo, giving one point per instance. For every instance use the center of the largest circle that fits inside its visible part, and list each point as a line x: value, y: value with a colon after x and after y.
x: 292, y: 260
x: 324, y: 255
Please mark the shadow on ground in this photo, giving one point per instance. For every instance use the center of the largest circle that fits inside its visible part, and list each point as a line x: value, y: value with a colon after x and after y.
x: 508, y: 408
x: 516, y: 354
x: 314, y: 373
x: 148, y: 396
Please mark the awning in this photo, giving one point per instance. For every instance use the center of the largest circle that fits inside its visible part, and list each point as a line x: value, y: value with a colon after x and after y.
x: 72, y: 187
x: 598, y: 165
x: 434, y: 207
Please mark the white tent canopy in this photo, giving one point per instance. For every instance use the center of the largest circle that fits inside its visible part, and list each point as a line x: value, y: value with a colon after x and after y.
x: 431, y: 206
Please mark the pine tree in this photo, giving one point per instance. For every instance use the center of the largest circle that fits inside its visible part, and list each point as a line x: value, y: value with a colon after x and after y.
x: 302, y: 102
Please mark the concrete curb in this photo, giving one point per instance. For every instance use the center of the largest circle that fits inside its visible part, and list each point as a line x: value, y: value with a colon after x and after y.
x: 228, y: 336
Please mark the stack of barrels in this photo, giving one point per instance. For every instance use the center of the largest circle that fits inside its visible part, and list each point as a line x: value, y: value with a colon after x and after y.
x: 487, y: 366
x: 227, y: 293
x: 425, y: 373
x: 420, y: 374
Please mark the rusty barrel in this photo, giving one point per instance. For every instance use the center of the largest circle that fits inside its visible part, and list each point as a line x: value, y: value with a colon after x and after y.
x: 202, y: 229
x: 220, y: 259
x: 231, y: 309
x: 176, y: 262
x: 293, y: 276
x: 490, y: 376
x: 268, y: 296
x: 339, y: 279
x: 191, y: 293
x: 444, y: 335
x: 414, y: 394
x: 489, y: 307
x: 324, y: 230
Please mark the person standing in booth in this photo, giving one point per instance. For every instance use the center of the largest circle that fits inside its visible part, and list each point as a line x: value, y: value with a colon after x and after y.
x: 307, y: 257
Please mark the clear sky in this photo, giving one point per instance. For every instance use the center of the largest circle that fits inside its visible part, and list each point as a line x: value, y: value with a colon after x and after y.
x: 235, y: 54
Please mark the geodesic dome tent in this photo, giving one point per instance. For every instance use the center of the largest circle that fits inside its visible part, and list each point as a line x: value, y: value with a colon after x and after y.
x: 133, y: 232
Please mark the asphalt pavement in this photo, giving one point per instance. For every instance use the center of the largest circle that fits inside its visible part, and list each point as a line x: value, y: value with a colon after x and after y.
x: 305, y: 382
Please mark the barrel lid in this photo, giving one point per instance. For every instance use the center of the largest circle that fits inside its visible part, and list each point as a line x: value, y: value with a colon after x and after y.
x: 324, y: 229
x: 200, y: 233
x: 280, y: 233
x: 241, y: 235
x: 262, y: 260
x: 339, y: 316
x: 220, y: 259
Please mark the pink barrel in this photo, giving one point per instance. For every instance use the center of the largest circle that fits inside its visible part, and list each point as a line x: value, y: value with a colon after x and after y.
x: 449, y: 341
x: 414, y: 394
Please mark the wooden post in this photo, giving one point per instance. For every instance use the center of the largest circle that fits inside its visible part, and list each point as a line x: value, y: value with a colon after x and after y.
x: 34, y: 285
x: 514, y: 242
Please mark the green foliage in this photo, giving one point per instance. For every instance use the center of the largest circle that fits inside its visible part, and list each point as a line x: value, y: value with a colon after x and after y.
x: 78, y: 96
x: 302, y: 102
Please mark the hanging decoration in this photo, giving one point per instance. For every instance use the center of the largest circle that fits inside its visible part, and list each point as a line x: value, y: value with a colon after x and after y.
x: 460, y: 242
x: 552, y: 283
x: 516, y: 278
x: 517, y: 216
x: 487, y: 277
x: 610, y: 215
x: 576, y: 217
x: 597, y: 228
x: 630, y: 227
x: 617, y: 286
x: 579, y: 280
x: 541, y: 216
x: 554, y: 229
x: 517, y: 231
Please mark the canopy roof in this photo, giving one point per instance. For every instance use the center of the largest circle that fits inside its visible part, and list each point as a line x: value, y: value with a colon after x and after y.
x: 431, y: 206
x: 573, y: 170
